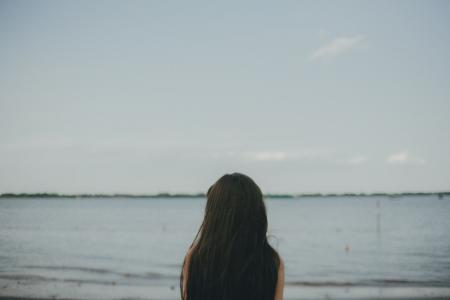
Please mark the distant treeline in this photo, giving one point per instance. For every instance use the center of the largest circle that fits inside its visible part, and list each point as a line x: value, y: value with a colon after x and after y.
x: 202, y: 195
x: 56, y: 195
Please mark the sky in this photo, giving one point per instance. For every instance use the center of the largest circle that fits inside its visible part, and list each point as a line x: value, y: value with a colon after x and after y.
x: 167, y: 96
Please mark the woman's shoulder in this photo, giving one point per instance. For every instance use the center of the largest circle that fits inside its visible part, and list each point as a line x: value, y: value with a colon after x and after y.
x: 281, y: 266
x: 187, y: 257
x: 280, y: 280
x: 185, y: 271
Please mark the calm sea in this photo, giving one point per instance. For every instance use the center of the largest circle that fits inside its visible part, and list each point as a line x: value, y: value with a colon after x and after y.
x: 324, y: 241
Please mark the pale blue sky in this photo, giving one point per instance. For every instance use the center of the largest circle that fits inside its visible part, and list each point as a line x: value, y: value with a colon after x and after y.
x: 159, y: 96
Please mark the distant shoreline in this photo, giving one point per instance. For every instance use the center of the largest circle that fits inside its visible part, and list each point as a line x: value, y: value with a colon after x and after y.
x: 202, y: 195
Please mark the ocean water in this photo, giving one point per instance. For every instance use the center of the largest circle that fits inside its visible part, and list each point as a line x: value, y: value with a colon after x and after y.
x: 329, y: 241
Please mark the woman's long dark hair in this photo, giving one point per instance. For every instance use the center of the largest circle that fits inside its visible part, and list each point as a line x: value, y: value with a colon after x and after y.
x: 231, y: 258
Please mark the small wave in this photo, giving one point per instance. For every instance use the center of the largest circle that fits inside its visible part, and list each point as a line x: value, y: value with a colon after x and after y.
x: 370, y: 283
x: 26, y: 278
x: 146, y: 275
x: 69, y: 268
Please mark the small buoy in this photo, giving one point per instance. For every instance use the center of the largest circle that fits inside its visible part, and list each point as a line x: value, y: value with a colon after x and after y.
x: 347, y: 248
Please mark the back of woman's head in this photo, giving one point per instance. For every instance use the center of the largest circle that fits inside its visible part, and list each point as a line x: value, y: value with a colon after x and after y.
x: 230, y: 256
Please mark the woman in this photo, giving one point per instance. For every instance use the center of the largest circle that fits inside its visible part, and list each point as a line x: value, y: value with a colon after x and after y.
x: 230, y: 257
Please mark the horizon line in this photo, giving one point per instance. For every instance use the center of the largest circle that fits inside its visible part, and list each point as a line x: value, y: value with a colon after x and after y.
x: 202, y: 195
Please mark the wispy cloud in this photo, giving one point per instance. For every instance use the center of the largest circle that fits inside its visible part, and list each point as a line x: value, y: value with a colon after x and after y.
x: 337, y: 46
x: 404, y: 157
x: 304, y: 154
x: 252, y: 156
